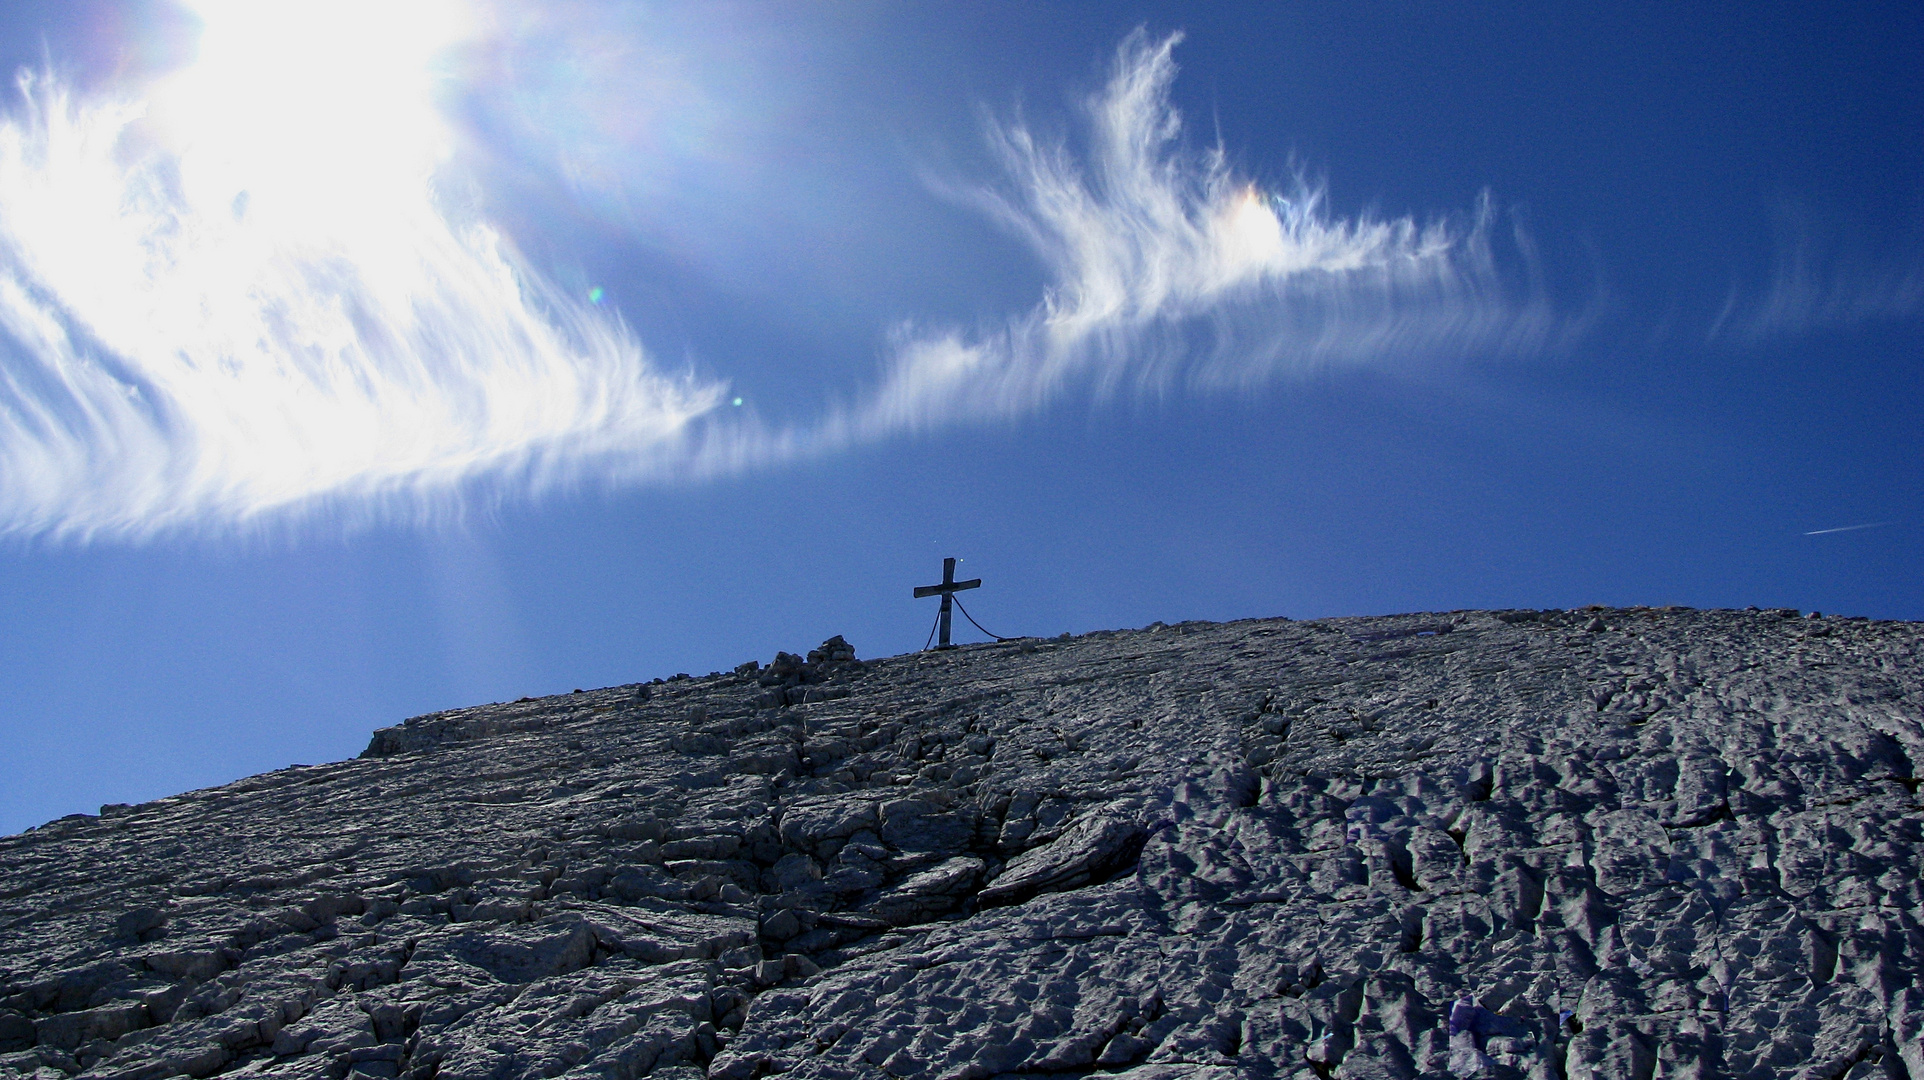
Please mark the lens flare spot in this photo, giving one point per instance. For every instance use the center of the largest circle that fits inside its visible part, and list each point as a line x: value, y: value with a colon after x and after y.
x: 595, y: 294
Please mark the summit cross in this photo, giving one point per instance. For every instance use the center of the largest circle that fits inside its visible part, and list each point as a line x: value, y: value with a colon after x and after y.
x: 946, y: 591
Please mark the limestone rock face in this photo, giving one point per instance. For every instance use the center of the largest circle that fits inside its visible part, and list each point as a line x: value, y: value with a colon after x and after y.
x: 1610, y: 843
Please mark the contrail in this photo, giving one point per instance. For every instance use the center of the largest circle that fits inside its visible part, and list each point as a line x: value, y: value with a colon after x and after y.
x: 1847, y: 528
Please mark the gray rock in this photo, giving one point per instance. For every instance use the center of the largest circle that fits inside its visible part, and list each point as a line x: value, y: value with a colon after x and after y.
x: 141, y: 924
x: 555, y: 946
x: 929, y: 894
x: 68, y: 1030
x: 1093, y: 846
x: 1646, y: 841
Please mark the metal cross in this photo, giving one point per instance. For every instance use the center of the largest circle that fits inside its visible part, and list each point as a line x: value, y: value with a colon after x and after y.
x: 946, y: 591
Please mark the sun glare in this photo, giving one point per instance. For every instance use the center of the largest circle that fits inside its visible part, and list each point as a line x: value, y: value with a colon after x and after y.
x: 244, y: 288
x: 1250, y: 235
x: 315, y: 113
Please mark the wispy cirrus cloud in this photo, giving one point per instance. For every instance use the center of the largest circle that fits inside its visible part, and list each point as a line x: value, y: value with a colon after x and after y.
x: 248, y: 289
x: 1168, y: 271
x: 1818, y: 282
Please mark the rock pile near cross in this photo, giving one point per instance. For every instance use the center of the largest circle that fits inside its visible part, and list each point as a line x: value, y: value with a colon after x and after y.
x: 1609, y: 843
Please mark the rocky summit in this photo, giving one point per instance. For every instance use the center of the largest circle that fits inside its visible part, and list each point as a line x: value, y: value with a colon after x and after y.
x: 1600, y: 843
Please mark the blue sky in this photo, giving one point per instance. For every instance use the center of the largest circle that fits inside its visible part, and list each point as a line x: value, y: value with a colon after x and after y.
x: 366, y: 359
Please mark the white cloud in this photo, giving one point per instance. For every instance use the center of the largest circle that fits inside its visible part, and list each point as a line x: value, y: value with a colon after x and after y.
x: 247, y: 290
x: 1169, y: 272
x: 1818, y: 282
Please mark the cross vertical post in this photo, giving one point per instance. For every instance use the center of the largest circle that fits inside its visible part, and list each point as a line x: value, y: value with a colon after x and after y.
x: 946, y: 591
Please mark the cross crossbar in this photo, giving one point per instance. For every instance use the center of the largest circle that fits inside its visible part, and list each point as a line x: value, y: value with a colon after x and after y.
x: 946, y: 591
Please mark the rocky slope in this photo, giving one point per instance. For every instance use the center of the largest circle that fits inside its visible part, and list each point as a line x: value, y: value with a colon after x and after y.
x: 1644, y: 842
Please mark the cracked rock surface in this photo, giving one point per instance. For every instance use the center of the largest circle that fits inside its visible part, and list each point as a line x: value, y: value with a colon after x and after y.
x: 1608, y: 843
